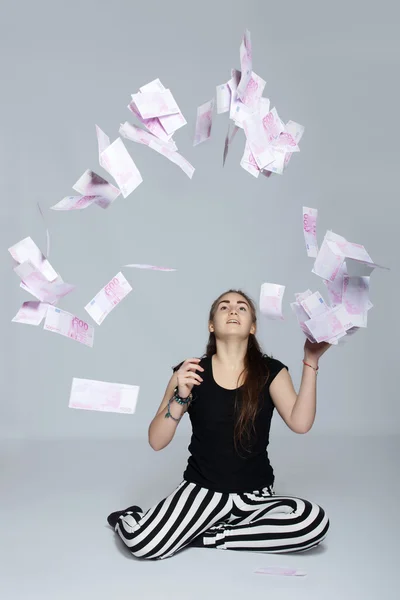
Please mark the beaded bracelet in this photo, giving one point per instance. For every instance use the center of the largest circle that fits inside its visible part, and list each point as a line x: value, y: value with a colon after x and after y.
x: 181, y: 401
x: 168, y: 413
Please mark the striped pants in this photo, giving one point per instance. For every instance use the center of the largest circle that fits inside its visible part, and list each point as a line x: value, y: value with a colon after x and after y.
x: 256, y: 521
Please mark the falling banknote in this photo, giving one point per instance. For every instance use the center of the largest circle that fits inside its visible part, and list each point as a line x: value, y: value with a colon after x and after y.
x: 355, y: 298
x: 108, y: 298
x: 246, y: 60
x: 287, y: 571
x: 76, y: 202
x: 90, y: 184
x: 151, y: 267
x: 171, y: 122
x: 335, y: 249
x: 258, y: 141
x: 88, y: 394
x: 310, y: 230
x: 203, y: 122
x: 167, y: 149
x: 31, y: 313
x: 118, y: 162
x: 271, y: 296
x: 39, y: 286
x: 26, y: 250
x: 64, y: 323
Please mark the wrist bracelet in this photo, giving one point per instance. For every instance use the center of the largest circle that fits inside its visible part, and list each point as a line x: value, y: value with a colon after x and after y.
x: 179, y: 400
x: 314, y: 368
x: 168, y: 413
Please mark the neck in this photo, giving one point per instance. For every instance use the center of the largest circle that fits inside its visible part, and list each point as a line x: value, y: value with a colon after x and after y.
x: 231, y: 353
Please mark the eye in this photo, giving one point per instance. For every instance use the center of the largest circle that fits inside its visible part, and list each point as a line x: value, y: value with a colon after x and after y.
x: 223, y: 306
x: 244, y: 308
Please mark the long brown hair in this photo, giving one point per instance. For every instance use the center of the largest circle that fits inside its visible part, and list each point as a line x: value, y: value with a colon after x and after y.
x: 256, y: 373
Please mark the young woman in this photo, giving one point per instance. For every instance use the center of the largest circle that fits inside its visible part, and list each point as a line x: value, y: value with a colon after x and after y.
x: 226, y: 499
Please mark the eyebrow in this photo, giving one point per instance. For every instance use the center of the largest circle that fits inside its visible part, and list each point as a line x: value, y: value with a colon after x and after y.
x: 238, y: 302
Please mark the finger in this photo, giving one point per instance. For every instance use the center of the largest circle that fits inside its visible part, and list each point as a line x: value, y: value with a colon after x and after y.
x: 193, y: 377
x: 192, y: 381
x: 197, y: 377
x: 188, y: 360
x: 194, y: 367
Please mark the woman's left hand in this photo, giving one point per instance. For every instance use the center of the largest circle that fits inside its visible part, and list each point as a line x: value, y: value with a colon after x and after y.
x: 313, y: 352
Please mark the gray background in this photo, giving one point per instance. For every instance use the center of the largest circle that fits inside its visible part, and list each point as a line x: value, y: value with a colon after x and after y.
x: 332, y: 67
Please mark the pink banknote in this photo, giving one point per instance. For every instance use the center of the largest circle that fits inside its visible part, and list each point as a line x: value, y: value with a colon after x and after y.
x: 335, y: 287
x: 246, y: 61
x: 153, y: 86
x: 253, y: 92
x: 223, y: 94
x: 31, y: 313
x: 310, y: 230
x: 327, y: 326
x: 103, y: 141
x: 120, y: 165
x: 153, y: 125
x: 238, y: 111
x: 150, y: 267
x: 108, y: 298
x: 46, y: 291
x: 75, y: 202
x: 68, y: 325
x: 296, y: 131
x: 271, y: 296
x: 90, y: 184
x: 167, y: 149
x: 314, y: 305
x: 278, y: 164
x: 329, y: 258
x: 273, y: 125
x: 155, y: 104
x: 170, y: 123
x: 26, y: 250
x: 248, y: 162
x: 302, y: 295
x: 287, y: 571
x: 335, y: 249
x: 258, y: 141
x: 203, y: 122
x: 138, y: 135
x: 285, y: 142
x: 88, y: 394
x: 302, y: 317
x: 179, y: 160
x: 355, y: 298
x: 358, y: 254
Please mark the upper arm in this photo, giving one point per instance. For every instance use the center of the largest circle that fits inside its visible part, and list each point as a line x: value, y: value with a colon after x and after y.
x: 284, y: 396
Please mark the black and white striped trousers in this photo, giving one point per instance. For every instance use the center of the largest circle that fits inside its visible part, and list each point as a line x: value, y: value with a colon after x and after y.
x: 259, y: 521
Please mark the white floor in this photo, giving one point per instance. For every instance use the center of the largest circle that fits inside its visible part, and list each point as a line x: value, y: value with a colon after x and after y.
x: 56, y: 544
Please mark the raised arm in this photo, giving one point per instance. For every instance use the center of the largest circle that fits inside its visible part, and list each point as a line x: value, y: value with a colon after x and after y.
x: 162, y: 429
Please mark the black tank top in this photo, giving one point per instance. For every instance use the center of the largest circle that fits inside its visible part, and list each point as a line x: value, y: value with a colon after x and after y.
x: 214, y: 463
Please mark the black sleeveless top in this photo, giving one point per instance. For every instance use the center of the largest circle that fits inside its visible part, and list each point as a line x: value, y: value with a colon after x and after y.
x: 214, y: 463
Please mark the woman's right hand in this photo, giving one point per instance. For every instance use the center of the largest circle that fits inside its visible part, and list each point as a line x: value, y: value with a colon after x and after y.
x: 187, y: 376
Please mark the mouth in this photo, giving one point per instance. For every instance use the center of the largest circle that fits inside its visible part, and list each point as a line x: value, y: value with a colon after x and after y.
x: 232, y: 322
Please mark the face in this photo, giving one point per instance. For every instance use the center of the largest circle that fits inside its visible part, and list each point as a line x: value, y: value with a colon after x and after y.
x: 232, y: 317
